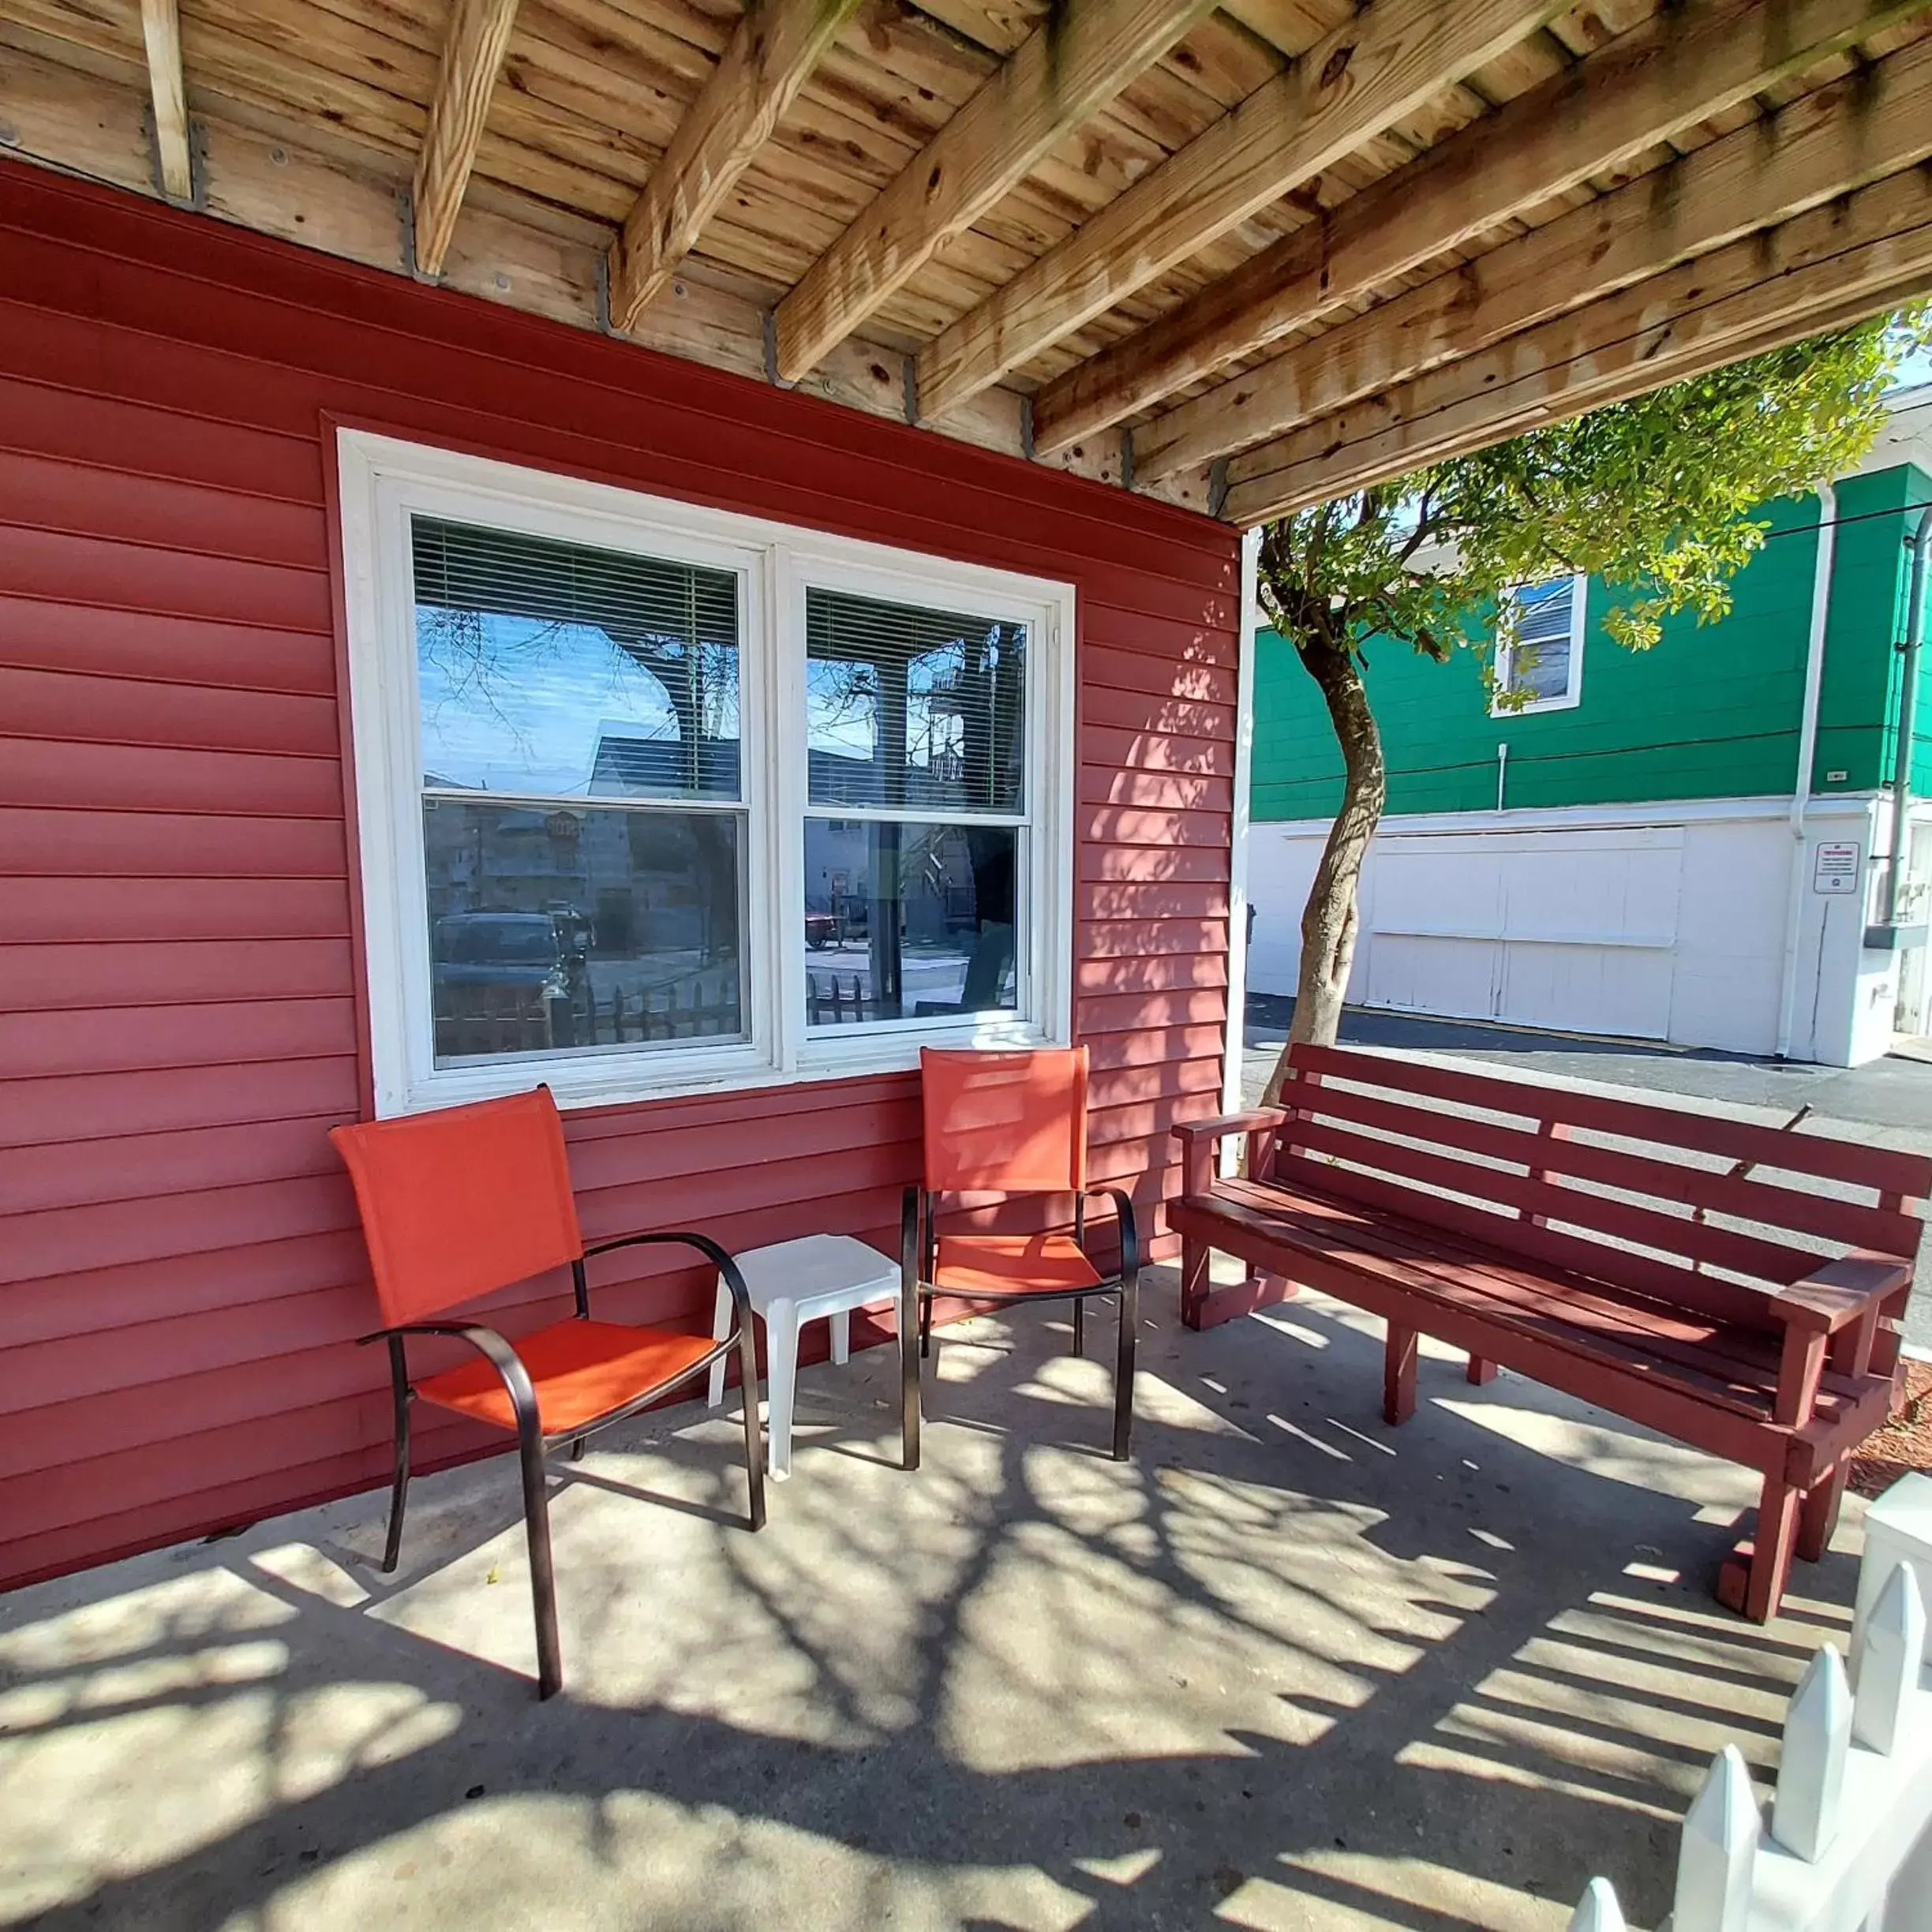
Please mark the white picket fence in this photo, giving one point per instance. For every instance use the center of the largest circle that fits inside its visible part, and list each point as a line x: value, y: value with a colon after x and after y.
x: 1849, y: 1845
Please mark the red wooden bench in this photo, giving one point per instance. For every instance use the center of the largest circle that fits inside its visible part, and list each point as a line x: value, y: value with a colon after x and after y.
x: 1617, y: 1271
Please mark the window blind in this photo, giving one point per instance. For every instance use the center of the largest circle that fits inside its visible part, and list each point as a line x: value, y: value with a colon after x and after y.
x: 912, y: 707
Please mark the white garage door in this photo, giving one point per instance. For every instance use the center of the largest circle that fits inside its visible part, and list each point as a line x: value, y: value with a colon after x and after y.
x: 1570, y: 930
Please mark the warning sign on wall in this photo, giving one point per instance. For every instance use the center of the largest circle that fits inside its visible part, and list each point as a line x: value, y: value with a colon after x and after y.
x: 1836, y: 866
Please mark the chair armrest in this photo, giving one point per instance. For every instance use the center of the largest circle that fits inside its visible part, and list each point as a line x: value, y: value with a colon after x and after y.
x: 1129, y: 1227
x: 487, y: 1342
x: 726, y: 1267
x: 1838, y: 1293
x: 1198, y: 1139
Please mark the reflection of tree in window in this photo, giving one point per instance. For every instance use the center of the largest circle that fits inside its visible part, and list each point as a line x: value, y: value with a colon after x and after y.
x: 606, y: 684
x: 915, y: 708
x: 494, y: 607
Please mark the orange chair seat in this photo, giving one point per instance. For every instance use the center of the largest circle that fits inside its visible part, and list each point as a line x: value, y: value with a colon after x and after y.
x: 1012, y: 1264
x: 580, y: 1369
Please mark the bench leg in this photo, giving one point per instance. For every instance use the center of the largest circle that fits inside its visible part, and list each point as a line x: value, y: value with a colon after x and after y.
x: 1817, y: 1517
x: 1398, y: 1376
x: 1194, y: 1258
x: 1756, y: 1591
x: 1480, y: 1372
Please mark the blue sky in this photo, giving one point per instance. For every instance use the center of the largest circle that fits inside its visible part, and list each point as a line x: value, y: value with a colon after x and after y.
x: 526, y: 717
x: 1915, y: 369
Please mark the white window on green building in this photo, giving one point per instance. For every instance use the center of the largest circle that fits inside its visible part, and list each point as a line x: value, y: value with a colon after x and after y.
x: 1539, y: 647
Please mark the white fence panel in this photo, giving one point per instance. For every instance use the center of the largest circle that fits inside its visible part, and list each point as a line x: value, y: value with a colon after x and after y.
x: 1849, y: 1846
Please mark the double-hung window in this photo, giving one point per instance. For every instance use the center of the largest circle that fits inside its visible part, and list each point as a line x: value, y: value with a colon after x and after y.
x: 1539, y: 646
x: 655, y: 800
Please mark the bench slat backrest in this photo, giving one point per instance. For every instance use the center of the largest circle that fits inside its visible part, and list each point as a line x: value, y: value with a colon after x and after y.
x: 1392, y: 1133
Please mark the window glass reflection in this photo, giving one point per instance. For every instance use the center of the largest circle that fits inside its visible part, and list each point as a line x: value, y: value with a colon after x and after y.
x: 912, y: 707
x: 555, y: 670
x: 564, y: 928
x: 908, y: 921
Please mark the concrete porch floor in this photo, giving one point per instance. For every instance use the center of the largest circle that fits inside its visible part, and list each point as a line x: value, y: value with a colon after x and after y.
x: 1287, y: 1668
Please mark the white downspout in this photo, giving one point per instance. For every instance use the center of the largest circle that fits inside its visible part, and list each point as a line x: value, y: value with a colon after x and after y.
x: 1234, y: 1048
x: 1807, y: 752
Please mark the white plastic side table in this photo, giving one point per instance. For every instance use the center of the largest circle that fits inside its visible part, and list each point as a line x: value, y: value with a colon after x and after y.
x: 794, y: 1281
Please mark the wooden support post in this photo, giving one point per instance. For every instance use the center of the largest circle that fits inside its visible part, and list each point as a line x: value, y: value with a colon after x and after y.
x: 1752, y: 1580
x: 1743, y: 181
x: 1217, y: 1305
x: 768, y: 58
x: 161, y: 34
x: 1819, y: 1516
x: 474, y: 46
x: 1684, y: 64
x: 1800, y: 1368
x: 1398, y: 1376
x: 1195, y: 1256
x: 1051, y: 83
x: 1364, y: 75
x: 1833, y: 265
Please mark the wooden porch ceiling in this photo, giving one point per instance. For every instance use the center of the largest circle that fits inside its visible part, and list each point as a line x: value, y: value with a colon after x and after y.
x: 1239, y: 256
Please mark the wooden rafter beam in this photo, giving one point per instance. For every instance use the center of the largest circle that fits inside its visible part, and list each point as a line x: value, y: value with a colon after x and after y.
x: 771, y: 51
x: 473, y: 47
x: 1683, y: 65
x: 1353, y: 83
x: 161, y: 33
x: 1050, y: 83
x: 1855, y: 257
x: 1870, y: 124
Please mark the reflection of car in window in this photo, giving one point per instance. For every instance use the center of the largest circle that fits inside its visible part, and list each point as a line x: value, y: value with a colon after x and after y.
x: 846, y: 921
x: 503, y: 949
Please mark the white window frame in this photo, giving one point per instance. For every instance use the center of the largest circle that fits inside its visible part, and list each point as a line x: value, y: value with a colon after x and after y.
x: 1572, y: 693
x: 383, y: 481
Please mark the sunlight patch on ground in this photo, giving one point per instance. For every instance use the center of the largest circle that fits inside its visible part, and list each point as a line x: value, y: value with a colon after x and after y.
x: 302, y: 1566
x: 1618, y: 1453
x: 1167, y: 1405
x: 635, y: 1860
x: 1360, y: 1894
x: 1314, y: 1673
x: 133, y: 1734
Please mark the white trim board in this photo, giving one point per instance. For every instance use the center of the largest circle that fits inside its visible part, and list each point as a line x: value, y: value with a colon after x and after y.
x: 1662, y: 813
x: 382, y: 479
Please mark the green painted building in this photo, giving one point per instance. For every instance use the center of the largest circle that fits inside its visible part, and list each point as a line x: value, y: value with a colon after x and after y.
x: 1623, y: 754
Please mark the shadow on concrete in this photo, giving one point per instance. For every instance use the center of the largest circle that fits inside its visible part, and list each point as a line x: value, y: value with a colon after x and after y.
x: 1286, y: 1668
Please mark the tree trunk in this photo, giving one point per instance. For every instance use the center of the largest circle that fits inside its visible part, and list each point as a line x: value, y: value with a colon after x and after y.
x: 1329, y: 921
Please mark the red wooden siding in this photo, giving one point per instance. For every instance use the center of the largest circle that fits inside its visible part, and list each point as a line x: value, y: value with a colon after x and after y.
x: 180, y: 1276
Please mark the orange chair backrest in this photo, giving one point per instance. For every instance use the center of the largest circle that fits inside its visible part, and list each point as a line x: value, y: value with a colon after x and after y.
x: 461, y: 1202
x: 1011, y: 1122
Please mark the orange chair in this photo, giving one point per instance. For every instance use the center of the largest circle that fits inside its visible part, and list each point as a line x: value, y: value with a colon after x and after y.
x: 458, y: 1203
x: 1012, y: 1123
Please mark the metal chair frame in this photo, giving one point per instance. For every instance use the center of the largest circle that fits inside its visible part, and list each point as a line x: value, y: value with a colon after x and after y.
x: 533, y: 1447
x: 919, y: 1250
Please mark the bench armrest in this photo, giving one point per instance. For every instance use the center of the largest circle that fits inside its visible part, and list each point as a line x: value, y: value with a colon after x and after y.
x: 1198, y: 1140
x: 1836, y: 1294
x: 1833, y: 1313
x: 1256, y: 1119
